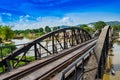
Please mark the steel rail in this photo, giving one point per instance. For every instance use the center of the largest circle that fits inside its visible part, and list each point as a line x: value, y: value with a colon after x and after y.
x: 74, y: 64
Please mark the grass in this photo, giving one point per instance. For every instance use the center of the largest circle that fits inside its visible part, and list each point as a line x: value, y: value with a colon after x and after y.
x: 6, y: 49
x: 1, y: 69
x: 29, y: 58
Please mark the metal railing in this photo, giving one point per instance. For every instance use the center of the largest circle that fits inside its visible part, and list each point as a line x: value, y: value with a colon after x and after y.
x: 102, y: 46
x: 75, y: 65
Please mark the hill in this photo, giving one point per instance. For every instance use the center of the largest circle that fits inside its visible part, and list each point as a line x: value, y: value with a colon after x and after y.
x: 109, y: 23
x: 113, y: 23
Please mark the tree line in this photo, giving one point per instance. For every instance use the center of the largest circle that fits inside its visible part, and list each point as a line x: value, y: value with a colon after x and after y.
x: 6, y: 33
x: 98, y: 26
x: 39, y: 30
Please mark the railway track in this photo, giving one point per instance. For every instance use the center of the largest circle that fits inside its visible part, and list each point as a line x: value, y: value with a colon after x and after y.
x: 45, y: 70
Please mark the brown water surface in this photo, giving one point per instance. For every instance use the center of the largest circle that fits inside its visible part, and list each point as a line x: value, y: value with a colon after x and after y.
x: 114, y: 60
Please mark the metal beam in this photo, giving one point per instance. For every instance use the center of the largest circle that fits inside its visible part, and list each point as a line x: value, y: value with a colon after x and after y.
x: 45, y: 48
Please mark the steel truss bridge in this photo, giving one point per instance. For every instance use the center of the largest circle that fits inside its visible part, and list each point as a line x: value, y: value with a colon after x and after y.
x: 64, y: 54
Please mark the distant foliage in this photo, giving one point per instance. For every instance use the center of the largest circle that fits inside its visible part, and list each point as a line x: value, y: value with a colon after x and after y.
x: 99, y: 25
x: 34, y: 33
x: 29, y: 31
x: 55, y: 28
x: 47, y: 29
x: 7, y: 49
x: 41, y: 30
x: 116, y: 27
x: 0, y: 40
x: 86, y: 28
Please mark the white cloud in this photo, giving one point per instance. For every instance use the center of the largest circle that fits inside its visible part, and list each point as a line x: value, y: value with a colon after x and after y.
x: 0, y: 19
x: 66, y: 21
x: 39, y: 18
x: 24, y: 18
x: 25, y: 23
x: 29, y: 22
x: 27, y: 16
x: 1, y: 22
x: 8, y: 14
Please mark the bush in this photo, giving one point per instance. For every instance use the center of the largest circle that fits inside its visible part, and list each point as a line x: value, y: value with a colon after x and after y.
x: 0, y: 40
x: 6, y: 49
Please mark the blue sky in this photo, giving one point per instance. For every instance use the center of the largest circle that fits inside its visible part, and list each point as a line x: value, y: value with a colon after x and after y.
x: 27, y: 14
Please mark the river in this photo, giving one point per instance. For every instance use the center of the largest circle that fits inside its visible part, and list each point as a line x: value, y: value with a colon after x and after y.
x: 115, y: 62
x: 20, y: 42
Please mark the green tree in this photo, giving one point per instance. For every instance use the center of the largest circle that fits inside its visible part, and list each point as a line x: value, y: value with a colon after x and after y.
x: 41, y: 30
x: 0, y: 40
x: 1, y: 34
x: 86, y: 28
x: 99, y: 25
x: 116, y: 27
x: 47, y: 29
x: 1, y: 31
x: 55, y: 28
x: 27, y: 31
x: 58, y: 27
x: 7, y: 33
x: 83, y: 26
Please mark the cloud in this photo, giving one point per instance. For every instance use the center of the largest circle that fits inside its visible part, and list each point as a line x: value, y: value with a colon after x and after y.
x: 8, y: 14
x: 26, y: 23
x: 29, y: 22
x: 26, y: 18
x: 1, y: 22
x: 66, y: 21
x: 7, y: 17
x: 23, y: 19
x: 0, y: 19
x: 38, y: 18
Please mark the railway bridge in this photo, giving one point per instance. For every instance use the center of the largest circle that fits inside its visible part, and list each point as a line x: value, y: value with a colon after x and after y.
x: 64, y: 54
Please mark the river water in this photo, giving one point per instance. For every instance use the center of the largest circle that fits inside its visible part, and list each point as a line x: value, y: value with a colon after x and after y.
x: 20, y: 42
x: 114, y: 62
